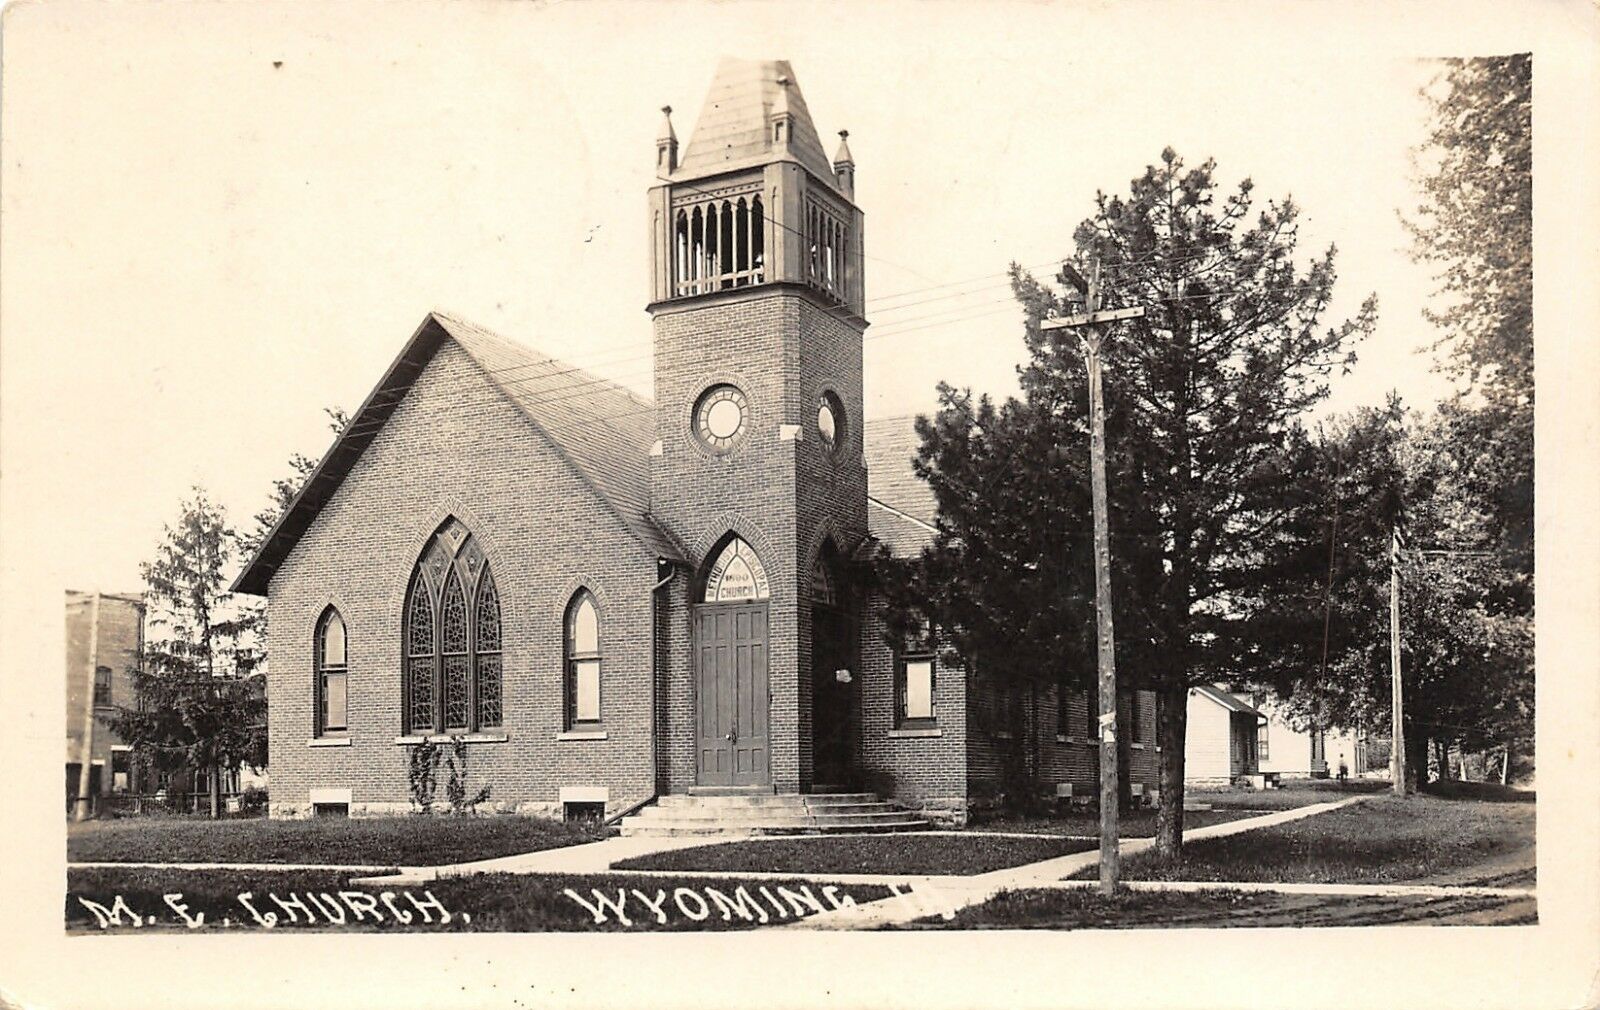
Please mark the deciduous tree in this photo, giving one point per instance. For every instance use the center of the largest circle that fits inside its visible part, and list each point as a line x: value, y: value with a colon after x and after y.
x: 197, y: 705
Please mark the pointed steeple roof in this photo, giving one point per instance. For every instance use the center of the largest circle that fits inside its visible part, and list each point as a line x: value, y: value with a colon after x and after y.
x: 843, y: 155
x: 734, y: 128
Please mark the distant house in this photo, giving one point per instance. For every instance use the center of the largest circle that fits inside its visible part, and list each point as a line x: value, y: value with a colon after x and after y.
x: 1307, y: 753
x: 1222, y: 737
x: 105, y: 638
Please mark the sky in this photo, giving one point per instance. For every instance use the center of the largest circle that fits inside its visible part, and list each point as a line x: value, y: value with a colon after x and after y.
x: 222, y: 219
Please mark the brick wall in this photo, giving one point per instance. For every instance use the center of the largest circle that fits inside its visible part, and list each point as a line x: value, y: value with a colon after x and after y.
x: 919, y: 770
x: 1072, y: 756
x: 777, y: 488
x: 117, y: 648
x: 456, y: 447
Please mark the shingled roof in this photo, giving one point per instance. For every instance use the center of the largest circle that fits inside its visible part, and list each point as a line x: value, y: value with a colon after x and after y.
x: 1229, y: 701
x: 602, y: 429
x: 732, y: 131
x: 901, y: 508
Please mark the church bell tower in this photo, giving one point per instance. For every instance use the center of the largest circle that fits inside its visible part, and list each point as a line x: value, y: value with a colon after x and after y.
x: 756, y: 297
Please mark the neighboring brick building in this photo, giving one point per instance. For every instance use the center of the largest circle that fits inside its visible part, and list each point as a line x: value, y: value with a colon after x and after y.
x: 105, y: 639
x: 611, y: 599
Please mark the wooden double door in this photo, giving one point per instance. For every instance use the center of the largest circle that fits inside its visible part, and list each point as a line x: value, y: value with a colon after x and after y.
x: 732, y: 696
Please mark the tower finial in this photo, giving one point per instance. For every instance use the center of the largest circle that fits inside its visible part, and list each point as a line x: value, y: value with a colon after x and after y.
x: 844, y: 166
x: 666, y: 144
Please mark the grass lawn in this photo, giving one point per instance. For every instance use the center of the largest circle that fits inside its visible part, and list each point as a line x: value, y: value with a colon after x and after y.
x: 1134, y: 824
x: 1087, y: 909
x: 907, y: 854
x: 1227, y: 804
x: 1383, y: 839
x: 497, y: 902
x: 1293, y: 793
x: 356, y: 841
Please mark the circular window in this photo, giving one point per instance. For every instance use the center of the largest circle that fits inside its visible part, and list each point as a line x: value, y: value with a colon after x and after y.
x: 830, y: 421
x: 721, y: 416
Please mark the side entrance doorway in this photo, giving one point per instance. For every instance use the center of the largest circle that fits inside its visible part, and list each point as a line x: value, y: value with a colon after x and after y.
x: 835, y: 688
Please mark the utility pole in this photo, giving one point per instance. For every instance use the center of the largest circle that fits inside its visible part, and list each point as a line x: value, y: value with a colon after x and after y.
x: 80, y: 807
x: 1090, y: 323
x: 1397, y: 747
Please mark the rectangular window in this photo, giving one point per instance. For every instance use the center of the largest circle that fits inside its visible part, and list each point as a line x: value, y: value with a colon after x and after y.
x: 334, y: 706
x: 586, y: 694
x: 1261, y: 741
x: 102, y: 685
x: 916, y: 681
x: 1136, y: 716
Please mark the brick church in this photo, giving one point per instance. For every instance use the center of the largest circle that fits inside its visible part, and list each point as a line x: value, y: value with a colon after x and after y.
x: 621, y: 604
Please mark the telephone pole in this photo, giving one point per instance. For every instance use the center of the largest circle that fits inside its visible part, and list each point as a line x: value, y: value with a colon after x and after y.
x: 1397, y: 746
x: 1090, y: 325
x: 80, y: 806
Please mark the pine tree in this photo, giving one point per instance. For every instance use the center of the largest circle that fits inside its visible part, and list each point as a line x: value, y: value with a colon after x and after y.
x: 1204, y: 400
x: 196, y: 708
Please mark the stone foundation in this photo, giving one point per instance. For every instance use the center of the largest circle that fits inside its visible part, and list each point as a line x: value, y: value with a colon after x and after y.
x: 941, y: 812
x: 294, y: 811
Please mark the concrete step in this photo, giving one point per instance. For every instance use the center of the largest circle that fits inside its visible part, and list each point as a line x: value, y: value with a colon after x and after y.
x: 831, y: 821
x: 762, y: 799
x: 747, y: 812
x: 765, y: 810
x: 670, y: 829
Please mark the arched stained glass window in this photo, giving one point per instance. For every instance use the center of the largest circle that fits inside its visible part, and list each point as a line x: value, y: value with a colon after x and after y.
x: 420, y: 658
x: 453, y: 649
x: 486, y: 675
x: 453, y: 638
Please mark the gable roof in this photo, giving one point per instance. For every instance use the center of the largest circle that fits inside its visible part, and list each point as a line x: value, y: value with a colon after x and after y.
x: 732, y: 129
x: 1229, y: 701
x: 602, y: 429
x: 901, y: 508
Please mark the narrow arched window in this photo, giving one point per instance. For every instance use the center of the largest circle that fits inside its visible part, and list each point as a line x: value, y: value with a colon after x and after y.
x: 582, y: 661
x: 486, y: 650
x: 453, y: 653
x: 452, y: 638
x: 333, y: 672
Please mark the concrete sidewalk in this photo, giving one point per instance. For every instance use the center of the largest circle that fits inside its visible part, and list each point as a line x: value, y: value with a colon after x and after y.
x: 332, y: 868
x: 1275, y: 887
x: 591, y: 857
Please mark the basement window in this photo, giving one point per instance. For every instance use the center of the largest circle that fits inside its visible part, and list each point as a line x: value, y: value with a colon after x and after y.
x: 583, y: 813
x: 330, y: 810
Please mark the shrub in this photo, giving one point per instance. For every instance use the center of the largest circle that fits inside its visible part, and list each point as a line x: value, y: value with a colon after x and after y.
x: 253, y: 802
x: 422, y: 775
x: 455, y: 789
